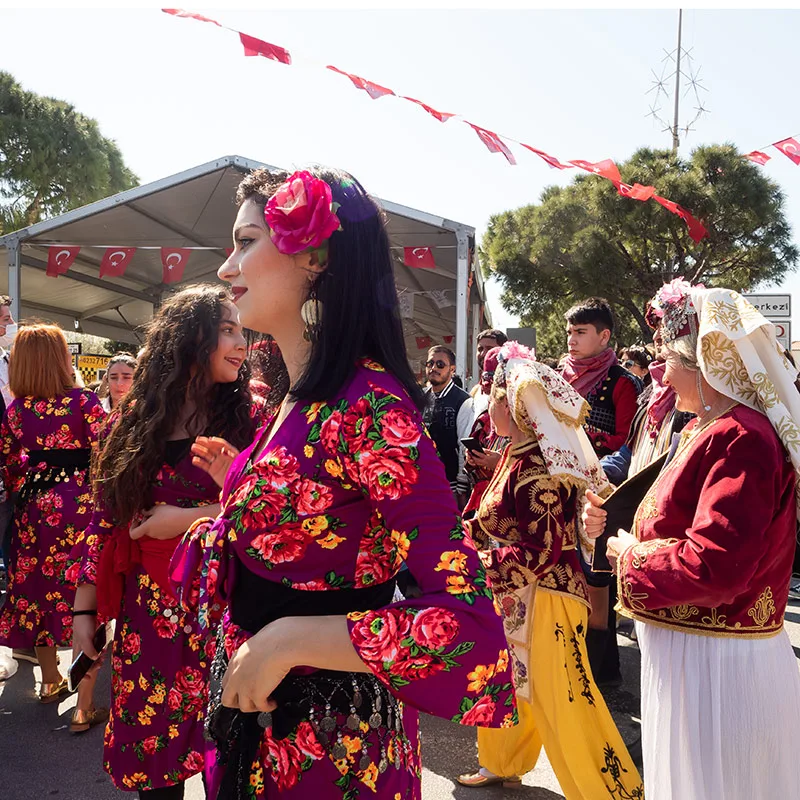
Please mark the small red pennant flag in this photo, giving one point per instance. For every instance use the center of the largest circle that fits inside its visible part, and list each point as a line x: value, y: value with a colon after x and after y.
x: 637, y: 191
x: 374, y: 90
x: 758, y: 157
x: 228, y: 251
x: 115, y: 261
x: 697, y: 231
x: 59, y: 259
x: 493, y: 142
x: 442, y: 116
x: 174, y: 261
x: 790, y: 148
x: 605, y: 169
x: 424, y: 342
x: 179, y: 12
x: 551, y: 160
x: 448, y: 339
x: 257, y: 47
x: 419, y: 257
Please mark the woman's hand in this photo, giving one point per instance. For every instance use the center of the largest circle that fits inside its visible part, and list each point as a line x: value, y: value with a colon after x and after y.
x: 84, y: 628
x: 594, y: 517
x: 255, y: 670
x: 214, y: 456
x: 486, y: 461
x: 617, y: 545
x: 165, y: 522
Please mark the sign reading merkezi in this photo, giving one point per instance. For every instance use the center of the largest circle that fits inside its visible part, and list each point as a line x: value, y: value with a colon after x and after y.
x: 771, y: 305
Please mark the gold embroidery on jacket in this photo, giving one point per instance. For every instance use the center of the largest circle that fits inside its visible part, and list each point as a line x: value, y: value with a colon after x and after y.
x: 763, y: 609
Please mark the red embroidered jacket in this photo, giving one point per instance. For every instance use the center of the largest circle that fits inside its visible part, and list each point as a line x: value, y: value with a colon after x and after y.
x: 717, y: 533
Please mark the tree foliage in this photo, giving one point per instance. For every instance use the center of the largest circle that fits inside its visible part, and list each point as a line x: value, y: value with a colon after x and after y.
x: 586, y: 239
x: 52, y: 158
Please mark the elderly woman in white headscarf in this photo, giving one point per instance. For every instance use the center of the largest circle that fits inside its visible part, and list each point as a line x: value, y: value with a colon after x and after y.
x: 528, y: 526
x: 705, y: 569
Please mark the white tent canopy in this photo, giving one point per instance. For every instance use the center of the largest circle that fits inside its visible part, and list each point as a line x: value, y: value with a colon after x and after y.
x: 196, y: 209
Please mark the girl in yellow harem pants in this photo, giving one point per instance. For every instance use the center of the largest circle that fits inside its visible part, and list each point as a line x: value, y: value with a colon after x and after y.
x: 528, y: 530
x: 567, y: 714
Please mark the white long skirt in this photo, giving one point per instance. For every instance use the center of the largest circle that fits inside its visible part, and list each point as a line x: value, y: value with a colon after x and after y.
x: 720, y: 716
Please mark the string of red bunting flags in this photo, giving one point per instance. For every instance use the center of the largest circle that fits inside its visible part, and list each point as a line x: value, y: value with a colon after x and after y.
x: 790, y: 147
x: 494, y: 142
x: 115, y: 261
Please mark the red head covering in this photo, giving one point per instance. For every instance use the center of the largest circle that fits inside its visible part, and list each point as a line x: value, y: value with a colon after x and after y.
x: 489, y: 368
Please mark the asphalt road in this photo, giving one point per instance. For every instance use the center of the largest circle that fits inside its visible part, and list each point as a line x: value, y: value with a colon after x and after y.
x: 39, y: 759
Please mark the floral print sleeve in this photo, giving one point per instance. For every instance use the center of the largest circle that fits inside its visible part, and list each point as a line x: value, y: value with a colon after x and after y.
x: 94, y: 416
x: 15, y: 458
x: 445, y: 652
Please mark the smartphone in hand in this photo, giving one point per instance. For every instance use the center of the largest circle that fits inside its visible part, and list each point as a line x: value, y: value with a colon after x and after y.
x: 82, y: 664
x: 471, y: 443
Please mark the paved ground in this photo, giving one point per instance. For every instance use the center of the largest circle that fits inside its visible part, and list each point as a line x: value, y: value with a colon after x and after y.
x: 39, y: 759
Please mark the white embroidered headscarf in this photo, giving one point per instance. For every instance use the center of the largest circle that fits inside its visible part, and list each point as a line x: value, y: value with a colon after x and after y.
x: 739, y: 356
x: 544, y: 406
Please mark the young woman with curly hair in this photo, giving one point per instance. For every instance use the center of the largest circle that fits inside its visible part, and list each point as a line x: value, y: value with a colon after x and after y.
x: 191, y: 379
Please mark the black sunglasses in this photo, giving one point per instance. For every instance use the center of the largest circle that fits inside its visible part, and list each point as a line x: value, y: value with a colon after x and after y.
x: 438, y: 363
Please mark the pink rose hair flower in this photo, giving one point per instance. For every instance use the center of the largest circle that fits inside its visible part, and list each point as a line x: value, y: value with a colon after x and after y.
x: 301, y: 215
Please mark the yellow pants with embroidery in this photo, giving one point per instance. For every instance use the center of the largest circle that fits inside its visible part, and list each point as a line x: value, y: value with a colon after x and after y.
x: 567, y: 714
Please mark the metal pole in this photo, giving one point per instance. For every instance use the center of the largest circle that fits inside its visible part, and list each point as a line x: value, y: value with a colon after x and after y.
x: 462, y: 275
x: 675, y: 140
x: 477, y: 324
x: 14, y: 278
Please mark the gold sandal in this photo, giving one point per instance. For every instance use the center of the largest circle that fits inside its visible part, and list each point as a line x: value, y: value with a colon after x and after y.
x: 51, y: 692
x: 473, y: 780
x: 81, y: 721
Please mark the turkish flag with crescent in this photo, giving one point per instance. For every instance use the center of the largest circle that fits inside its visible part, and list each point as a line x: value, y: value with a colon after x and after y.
x: 551, y: 160
x: 59, y: 259
x: 493, y: 142
x: 257, y: 47
x: 605, y: 169
x: 424, y: 342
x: 758, y: 157
x: 115, y: 261
x: 418, y: 257
x: 174, y: 261
x: 636, y: 192
x: 790, y: 148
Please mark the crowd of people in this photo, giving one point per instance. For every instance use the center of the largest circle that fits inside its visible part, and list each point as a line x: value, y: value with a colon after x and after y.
x: 301, y: 548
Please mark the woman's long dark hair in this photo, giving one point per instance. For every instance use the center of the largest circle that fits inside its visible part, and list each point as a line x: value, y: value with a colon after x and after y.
x: 173, y: 366
x: 360, y: 312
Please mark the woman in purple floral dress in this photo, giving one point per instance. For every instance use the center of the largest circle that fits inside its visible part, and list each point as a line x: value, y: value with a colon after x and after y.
x: 192, y: 378
x: 318, y: 676
x: 47, y: 437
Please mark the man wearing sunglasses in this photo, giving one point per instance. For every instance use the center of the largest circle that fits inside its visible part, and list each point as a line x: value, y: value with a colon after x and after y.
x: 448, y: 417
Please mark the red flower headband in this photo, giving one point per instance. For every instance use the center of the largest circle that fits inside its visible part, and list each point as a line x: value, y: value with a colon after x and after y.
x: 672, y: 309
x: 301, y: 215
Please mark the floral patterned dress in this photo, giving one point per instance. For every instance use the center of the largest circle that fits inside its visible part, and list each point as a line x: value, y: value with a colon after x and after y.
x: 55, y: 508
x: 160, y: 658
x: 343, y: 494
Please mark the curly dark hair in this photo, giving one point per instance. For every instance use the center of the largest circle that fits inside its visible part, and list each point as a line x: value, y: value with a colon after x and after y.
x: 360, y: 310
x: 173, y: 366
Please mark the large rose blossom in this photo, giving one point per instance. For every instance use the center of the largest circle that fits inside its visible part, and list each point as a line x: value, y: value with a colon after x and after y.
x: 279, y: 468
x: 286, y: 760
x: 481, y: 713
x: 263, y: 509
x: 300, y: 214
x: 150, y: 745
x: 310, y: 497
x: 132, y: 643
x: 434, y: 627
x: 164, y: 628
x: 357, y: 423
x: 371, y: 569
x: 417, y: 667
x: 194, y: 761
x: 307, y: 742
x: 399, y: 429
x: 329, y: 432
x: 379, y: 634
x: 388, y: 474
x: 281, y: 546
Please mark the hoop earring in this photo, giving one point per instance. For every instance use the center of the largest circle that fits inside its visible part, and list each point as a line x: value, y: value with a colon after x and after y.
x: 706, y: 407
x: 311, y: 314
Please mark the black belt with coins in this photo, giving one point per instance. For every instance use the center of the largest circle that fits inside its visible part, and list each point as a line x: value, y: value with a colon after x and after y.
x: 334, y: 703
x: 48, y: 468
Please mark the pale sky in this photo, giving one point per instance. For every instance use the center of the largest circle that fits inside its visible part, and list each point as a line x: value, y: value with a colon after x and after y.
x: 176, y: 93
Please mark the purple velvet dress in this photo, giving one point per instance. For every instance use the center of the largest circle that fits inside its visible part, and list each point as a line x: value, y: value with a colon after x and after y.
x: 46, y: 445
x: 160, y: 658
x: 345, y: 493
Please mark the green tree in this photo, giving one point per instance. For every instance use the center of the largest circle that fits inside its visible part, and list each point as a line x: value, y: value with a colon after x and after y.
x: 586, y: 239
x: 52, y: 158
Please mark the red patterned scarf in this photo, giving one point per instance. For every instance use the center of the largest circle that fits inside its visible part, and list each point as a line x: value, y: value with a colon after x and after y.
x: 662, y: 400
x: 583, y: 374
